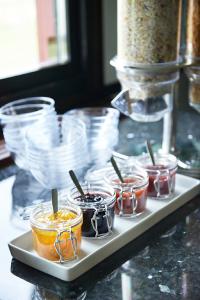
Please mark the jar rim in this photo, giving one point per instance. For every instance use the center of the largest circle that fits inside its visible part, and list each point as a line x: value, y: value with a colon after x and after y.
x: 99, y: 189
x: 47, y: 207
x: 170, y: 162
x: 93, y: 112
x: 132, y: 172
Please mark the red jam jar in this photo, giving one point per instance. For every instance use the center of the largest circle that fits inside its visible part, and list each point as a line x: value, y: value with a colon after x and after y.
x: 97, y: 206
x: 131, y: 195
x: 162, y: 175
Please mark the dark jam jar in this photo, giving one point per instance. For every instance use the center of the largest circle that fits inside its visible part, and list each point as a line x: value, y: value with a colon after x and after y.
x: 162, y: 175
x: 97, y: 206
x: 131, y: 195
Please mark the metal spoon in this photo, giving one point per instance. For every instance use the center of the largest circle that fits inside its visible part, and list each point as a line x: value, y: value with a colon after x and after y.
x: 76, y: 182
x: 54, y: 200
x: 150, y: 151
x: 114, y: 164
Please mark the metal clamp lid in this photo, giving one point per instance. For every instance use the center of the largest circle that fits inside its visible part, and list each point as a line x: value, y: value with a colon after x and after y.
x: 133, y: 204
x: 168, y: 179
x: 96, y: 217
x: 58, y: 241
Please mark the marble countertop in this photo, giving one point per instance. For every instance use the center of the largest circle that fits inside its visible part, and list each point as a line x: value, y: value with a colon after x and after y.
x: 163, y: 263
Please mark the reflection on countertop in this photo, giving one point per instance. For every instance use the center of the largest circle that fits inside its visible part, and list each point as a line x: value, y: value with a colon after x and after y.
x: 26, y: 192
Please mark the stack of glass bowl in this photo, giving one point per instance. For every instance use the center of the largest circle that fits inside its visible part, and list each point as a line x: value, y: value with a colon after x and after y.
x: 19, y: 115
x: 54, y: 150
x: 102, y: 131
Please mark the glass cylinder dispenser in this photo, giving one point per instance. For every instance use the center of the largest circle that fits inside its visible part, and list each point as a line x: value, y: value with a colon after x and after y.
x: 146, y: 94
x: 148, y: 39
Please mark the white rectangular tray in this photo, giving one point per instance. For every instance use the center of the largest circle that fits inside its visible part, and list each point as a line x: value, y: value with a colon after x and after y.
x: 125, y: 230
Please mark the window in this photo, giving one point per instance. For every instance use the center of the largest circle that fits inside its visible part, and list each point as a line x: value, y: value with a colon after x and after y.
x: 52, y: 48
x: 42, y: 53
x: 33, y: 35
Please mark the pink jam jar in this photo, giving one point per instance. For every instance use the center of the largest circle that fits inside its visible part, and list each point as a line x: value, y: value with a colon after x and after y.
x: 162, y: 175
x: 131, y: 195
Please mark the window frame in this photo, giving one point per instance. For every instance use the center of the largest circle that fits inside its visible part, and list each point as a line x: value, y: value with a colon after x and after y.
x: 51, y: 76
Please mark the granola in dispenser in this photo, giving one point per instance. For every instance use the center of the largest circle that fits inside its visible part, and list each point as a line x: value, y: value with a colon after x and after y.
x: 148, y: 31
x: 193, y: 29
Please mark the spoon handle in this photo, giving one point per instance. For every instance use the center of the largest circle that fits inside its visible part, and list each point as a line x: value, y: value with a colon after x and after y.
x: 114, y: 164
x: 76, y: 182
x: 54, y: 197
x: 150, y: 151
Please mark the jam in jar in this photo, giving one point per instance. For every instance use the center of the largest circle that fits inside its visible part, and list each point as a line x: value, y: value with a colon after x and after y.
x: 131, y: 194
x: 97, y: 206
x: 161, y: 175
x: 56, y: 237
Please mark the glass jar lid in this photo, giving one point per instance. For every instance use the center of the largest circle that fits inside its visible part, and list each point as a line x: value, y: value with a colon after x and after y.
x: 43, y: 218
x: 133, y: 176
x: 95, y: 196
x: 163, y: 162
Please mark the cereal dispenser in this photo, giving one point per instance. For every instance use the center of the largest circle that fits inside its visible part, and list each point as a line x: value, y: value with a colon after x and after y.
x: 155, y: 39
x: 148, y: 43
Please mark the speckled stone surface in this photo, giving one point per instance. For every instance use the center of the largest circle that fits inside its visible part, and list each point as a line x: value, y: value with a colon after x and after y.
x: 163, y: 263
x: 168, y: 268
x: 134, y: 134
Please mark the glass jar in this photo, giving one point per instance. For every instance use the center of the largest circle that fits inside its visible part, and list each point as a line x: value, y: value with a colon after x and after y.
x: 161, y: 175
x: 56, y: 237
x: 131, y: 195
x: 98, y: 208
x: 148, y: 31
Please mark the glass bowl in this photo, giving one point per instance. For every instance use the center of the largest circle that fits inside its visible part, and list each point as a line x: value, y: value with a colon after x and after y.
x: 102, y: 131
x: 19, y: 115
x: 50, y: 156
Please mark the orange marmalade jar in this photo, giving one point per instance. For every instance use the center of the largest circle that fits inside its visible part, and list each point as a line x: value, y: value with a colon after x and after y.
x: 57, y: 237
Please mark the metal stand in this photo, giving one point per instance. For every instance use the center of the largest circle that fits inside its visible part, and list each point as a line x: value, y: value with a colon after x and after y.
x: 169, y: 125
